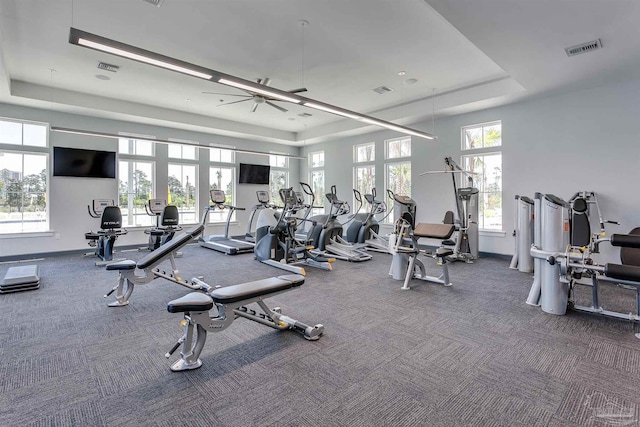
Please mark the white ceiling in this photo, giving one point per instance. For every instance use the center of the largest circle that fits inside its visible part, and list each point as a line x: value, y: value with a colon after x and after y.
x: 475, y: 54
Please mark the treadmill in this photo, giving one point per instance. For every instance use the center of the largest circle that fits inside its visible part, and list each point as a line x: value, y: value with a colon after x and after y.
x: 222, y: 242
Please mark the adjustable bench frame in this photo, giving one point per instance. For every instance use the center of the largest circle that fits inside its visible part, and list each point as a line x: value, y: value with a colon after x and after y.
x: 145, y: 270
x: 230, y: 303
x: 399, y: 245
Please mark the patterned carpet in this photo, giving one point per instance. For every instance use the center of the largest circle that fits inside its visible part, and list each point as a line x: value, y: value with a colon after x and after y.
x: 473, y: 354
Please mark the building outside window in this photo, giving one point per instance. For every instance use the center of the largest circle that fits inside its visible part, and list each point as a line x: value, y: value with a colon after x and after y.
x: 482, y: 154
x: 24, y: 172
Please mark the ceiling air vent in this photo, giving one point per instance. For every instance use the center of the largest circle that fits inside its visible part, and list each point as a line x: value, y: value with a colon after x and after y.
x: 156, y: 3
x: 108, y: 67
x: 305, y: 115
x: 583, y: 48
x: 382, y: 90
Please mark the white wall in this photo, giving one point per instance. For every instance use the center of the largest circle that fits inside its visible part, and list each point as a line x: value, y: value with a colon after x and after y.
x: 586, y: 140
x: 68, y: 197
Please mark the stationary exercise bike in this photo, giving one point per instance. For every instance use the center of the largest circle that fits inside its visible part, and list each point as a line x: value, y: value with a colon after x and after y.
x: 104, y: 239
x: 167, y: 219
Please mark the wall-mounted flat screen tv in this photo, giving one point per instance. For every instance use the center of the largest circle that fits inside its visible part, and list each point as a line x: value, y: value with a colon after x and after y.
x: 253, y: 174
x: 83, y: 163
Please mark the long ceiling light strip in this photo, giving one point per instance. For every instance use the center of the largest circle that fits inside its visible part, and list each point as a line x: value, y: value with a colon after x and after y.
x: 102, y: 44
x: 166, y: 141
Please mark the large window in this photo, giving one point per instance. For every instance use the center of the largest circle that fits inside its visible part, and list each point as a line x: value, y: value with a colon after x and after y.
x: 316, y: 178
x: 222, y: 175
x: 183, y: 190
x: 364, y: 172
x: 278, y: 177
x: 481, y: 145
x: 23, y: 176
x: 136, y: 180
x: 397, y: 169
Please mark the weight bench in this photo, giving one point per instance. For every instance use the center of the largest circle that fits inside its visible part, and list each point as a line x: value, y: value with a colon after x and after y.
x: 230, y: 303
x: 20, y: 278
x: 133, y: 273
x: 405, y: 250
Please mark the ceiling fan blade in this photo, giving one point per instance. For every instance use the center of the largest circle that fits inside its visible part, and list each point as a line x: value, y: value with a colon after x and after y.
x: 302, y: 89
x: 284, y: 110
x: 254, y: 108
x: 234, y: 102
x: 225, y: 94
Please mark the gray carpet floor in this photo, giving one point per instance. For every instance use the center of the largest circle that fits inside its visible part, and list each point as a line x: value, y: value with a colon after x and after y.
x: 473, y: 354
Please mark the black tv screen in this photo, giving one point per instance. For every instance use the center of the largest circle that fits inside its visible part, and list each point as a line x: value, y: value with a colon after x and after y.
x: 83, y: 163
x: 253, y: 174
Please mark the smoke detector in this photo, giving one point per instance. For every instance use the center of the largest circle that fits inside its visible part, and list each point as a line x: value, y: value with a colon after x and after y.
x: 108, y: 67
x: 382, y: 90
x: 583, y: 48
x: 156, y: 3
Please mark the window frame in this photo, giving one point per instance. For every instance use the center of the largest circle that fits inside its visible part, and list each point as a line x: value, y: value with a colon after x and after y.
x: 131, y: 215
x: 195, y: 164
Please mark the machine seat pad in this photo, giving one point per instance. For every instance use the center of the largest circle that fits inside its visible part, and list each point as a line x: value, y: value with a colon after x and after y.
x: 434, y: 231
x: 625, y: 240
x: 245, y: 291
x: 623, y: 272
x: 155, y: 231
x: 122, y: 265
x: 195, y: 301
x: 91, y: 236
x: 172, y: 245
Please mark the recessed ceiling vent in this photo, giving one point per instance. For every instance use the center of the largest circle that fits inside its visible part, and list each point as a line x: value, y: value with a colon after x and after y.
x: 156, y: 3
x: 382, y: 90
x: 583, y: 48
x: 305, y: 115
x: 108, y: 67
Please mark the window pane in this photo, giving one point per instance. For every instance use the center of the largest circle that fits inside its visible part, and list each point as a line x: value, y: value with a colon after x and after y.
x: 493, y: 135
x: 124, y: 146
x: 144, y: 148
x: 317, y: 184
x: 277, y: 180
x: 188, y: 152
x: 226, y: 156
x: 472, y: 138
x: 365, y: 178
x: 135, y: 188
x: 317, y: 159
x: 183, y: 191
x: 489, y: 183
x: 175, y: 151
x: 365, y: 153
x: 23, y: 185
x: 222, y: 179
x: 35, y: 135
x: 10, y: 133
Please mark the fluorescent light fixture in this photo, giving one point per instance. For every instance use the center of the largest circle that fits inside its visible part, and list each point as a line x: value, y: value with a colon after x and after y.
x: 331, y: 110
x: 255, y: 89
x: 142, y: 58
x: 165, y: 141
x: 102, y: 44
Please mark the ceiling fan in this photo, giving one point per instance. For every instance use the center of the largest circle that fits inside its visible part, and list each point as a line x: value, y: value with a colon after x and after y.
x: 257, y: 98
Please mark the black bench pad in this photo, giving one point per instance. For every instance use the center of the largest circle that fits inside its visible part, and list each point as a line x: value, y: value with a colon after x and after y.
x: 244, y: 291
x: 122, y: 265
x: 434, y: 231
x: 622, y: 272
x: 172, y: 245
x: 625, y: 240
x: 195, y: 301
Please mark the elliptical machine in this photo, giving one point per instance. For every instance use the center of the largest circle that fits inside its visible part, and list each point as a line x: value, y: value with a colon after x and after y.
x: 276, y: 241
x: 364, y: 226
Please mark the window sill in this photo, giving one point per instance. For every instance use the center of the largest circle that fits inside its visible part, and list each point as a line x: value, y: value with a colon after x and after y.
x: 492, y: 233
x: 27, y: 234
